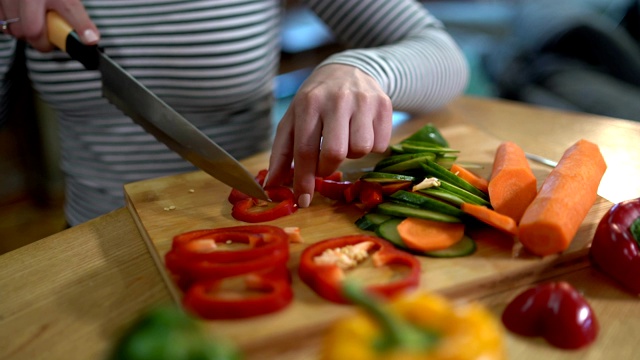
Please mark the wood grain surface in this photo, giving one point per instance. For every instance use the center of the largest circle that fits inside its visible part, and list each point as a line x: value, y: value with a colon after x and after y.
x: 198, y: 201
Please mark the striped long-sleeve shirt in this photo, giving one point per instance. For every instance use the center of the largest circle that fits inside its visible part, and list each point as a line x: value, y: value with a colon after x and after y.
x: 214, y: 61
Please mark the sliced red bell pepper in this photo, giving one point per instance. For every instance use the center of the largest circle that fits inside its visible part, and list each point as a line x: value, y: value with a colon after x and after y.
x: 555, y: 311
x: 353, y: 192
x: 326, y: 280
x: 245, y: 210
x: 333, y: 190
x: 237, y: 195
x: 371, y: 194
x: 200, y: 270
x: 266, y: 292
x: 615, y: 248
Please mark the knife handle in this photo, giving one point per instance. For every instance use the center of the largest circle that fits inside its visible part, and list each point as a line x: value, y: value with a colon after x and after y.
x: 62, y: 35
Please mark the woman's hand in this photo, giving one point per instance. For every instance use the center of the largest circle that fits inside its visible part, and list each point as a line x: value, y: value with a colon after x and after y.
x: 339, y: 112
x: 32, y: 27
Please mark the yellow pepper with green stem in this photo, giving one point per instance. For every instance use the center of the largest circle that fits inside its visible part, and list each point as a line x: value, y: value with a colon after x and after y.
x: 418, y: 326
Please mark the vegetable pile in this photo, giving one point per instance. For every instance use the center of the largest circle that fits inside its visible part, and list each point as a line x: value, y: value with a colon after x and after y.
x: 430, y: 199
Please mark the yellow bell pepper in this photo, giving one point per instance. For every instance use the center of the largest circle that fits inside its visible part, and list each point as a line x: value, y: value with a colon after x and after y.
x: 420, y: 326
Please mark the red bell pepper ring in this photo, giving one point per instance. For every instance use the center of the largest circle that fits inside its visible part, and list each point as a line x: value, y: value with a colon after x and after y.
x: 555, y: 311
x: 244, y: 210
x: 615, y: 249
x: 262, y: 240
x: 326, y: 280
x: 237, y: 195
x: 204, y: 299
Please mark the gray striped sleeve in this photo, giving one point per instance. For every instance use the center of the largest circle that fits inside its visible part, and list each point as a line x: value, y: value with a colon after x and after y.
x: 401, y: 45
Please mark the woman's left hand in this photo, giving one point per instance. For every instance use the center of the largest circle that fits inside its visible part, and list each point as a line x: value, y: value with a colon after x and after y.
x: 338, y: 113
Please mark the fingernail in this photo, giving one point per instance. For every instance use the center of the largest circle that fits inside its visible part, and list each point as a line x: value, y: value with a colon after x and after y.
x: 304, y: 200
x: 90, y: 37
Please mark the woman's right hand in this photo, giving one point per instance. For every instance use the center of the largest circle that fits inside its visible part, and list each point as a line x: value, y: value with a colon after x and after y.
x: 32, y: 24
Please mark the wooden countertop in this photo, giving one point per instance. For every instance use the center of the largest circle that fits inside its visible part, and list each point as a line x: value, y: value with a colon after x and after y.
x: 68, y: 295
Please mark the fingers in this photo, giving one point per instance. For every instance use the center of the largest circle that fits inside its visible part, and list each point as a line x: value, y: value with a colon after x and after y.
x: 338, y: 113
x: 32, y: 25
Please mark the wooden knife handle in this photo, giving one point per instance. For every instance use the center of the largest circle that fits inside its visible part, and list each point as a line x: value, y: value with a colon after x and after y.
x: 62, y: 35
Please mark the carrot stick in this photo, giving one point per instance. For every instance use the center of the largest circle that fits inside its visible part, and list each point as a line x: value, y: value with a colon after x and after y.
x: 428, y: 235
x: 491, y: 217
x: 512, y: 185
x: 479, y: 182
x: 566, y: 196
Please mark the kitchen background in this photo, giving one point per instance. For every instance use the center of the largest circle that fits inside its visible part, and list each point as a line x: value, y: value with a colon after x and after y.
x: 499, y: 44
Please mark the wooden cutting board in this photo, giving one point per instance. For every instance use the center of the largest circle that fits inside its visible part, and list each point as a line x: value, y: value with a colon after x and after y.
x: 165, y: 207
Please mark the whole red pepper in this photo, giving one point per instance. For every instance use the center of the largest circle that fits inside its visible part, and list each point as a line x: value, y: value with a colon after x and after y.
x: 615, y: 247
x: 555, y: 311
x: 326, y: 280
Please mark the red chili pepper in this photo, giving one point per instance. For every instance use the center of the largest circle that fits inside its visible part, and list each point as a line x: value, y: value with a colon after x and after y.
x: 615, y: 248
x: 269, y: 292
x: 244, y: 210
x: 326, y: 280
x: 555, y: 311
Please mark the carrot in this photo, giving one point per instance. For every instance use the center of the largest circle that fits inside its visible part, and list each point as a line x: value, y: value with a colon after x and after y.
x: 479, y: 182
x: 491, y: 217
x: 566, y: 196
x: 512, y: 185
x: 427, y: 235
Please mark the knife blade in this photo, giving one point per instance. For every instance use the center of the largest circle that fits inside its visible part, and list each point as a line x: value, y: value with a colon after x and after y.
x: 152, y: 114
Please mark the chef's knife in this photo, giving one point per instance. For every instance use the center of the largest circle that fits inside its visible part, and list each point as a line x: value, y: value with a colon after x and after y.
x: 153, y: 114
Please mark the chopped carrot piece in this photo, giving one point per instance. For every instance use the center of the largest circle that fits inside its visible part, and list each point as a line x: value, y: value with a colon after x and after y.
x: 566, y: 196
x: 512, y: 185
x: 491, y: 217
x: 428, y: 235
x: 477, y: 181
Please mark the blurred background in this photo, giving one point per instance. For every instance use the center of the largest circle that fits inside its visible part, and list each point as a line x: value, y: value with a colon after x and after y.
x: 577, y: 55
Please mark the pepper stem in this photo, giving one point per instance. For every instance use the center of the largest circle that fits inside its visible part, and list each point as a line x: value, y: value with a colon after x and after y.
x: 396, y: 332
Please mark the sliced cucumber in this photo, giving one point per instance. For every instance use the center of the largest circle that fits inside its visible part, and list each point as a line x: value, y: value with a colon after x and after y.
x: 395, y: 159
x: 377, y: 176
x: 433, y: 169
x: 409, y: 165
x: 425, y: 202
x: 464, y: 247
x: 402, y: 210
x: 371, y: 221
x: 388, y: 230
x: 465, y: 195
x: 420, y: 147
x: 441, y: 194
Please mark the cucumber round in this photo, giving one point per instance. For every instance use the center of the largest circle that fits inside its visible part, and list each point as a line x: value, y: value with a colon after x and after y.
x: 464, y: 247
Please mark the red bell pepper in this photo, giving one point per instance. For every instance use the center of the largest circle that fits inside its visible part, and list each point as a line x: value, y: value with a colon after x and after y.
x: 245, y: 210
x: 615, y: 248
x: 326, y: 279
x: 371, y: 194
x: 333, y: 189
x: 269, y: 292
x: 200, y: 269
x: 237, y: 195
x: 555, y: 311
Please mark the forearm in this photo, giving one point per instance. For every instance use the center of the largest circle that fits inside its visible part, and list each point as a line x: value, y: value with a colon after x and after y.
x: 415, y: 61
